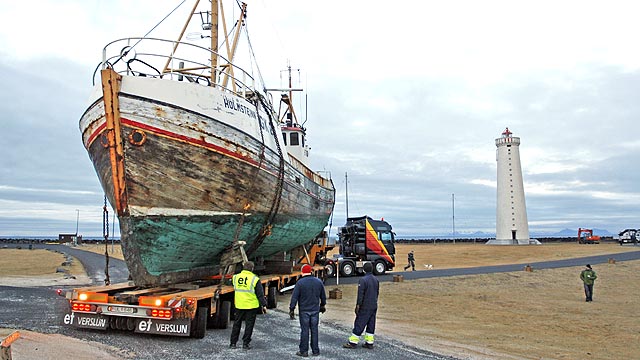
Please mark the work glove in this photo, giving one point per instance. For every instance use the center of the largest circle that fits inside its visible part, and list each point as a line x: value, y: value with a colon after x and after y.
x: 264, y: 309
x: 357, y: 309
x: 292, y: 315
x: 323, y: 309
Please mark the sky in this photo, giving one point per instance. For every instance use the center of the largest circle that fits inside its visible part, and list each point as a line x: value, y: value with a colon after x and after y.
x: 407, y: 98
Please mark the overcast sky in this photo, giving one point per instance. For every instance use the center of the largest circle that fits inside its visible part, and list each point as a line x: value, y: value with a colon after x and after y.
x: 406, y: 97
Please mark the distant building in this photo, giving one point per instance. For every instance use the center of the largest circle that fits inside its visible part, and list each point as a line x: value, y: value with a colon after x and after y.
x: 512, y: 226
x: 69, y: 238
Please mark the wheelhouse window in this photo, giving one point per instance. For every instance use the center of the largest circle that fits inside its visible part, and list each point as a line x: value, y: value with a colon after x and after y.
x: 294, y: 140
x: 284, y: 137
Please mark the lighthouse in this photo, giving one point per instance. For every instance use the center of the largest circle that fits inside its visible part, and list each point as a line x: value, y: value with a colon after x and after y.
x: 512, y: 227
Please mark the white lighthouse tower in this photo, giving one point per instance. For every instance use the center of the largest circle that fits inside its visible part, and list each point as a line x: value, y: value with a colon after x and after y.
x: 512, y: 226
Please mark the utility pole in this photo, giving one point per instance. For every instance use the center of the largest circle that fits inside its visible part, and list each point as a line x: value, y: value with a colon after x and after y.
x: 75, y: 239
x: 453, y: 216
x: 346, y: 190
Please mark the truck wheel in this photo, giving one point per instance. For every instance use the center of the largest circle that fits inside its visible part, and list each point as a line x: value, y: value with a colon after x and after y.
x: 330, y: 270
x: 220, y: 320
x: 347, y: 268
x: 379, y: 268
x: 272, y: 298
x: 199, y: 323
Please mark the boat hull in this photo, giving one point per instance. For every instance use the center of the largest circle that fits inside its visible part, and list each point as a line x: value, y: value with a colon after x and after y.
x: 196, y: 181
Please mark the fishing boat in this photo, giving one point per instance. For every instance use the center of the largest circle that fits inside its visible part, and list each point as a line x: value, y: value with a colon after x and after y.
x: 193, y: 156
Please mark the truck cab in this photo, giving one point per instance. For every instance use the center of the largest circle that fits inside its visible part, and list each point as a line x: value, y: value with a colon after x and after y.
x: 363, y: 239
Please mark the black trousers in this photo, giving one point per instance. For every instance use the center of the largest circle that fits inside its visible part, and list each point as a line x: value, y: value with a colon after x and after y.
x: 412, y: 264
x: 588, y: 292
x: 249, y: 318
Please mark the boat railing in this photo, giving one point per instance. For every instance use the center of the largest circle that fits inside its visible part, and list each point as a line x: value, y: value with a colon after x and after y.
x: 315, y: 176
x: 175, y: 60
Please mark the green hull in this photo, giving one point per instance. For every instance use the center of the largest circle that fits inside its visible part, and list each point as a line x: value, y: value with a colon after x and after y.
x: 174, y: 249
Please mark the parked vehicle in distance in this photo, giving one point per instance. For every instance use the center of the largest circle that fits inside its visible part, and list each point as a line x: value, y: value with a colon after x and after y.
x: 363, y: 240
x: 628, y: 236
x: 585, y: 236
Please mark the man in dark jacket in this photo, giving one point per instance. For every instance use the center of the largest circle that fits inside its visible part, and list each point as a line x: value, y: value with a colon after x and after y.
x: 411, y: 262
x: 588, y: 277
x: 248, y: 299
x: 366, y: 309
x: 310, y: 295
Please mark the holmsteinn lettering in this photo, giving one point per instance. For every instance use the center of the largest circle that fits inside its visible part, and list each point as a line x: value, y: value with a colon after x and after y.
x: 233, y: 105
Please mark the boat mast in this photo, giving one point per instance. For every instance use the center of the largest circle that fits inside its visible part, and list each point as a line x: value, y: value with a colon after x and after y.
x: 214, y: 40
x: 293, y: 113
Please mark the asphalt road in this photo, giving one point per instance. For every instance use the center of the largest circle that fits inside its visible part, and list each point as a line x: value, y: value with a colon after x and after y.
x: 274, y: 337
x: 412, y: 275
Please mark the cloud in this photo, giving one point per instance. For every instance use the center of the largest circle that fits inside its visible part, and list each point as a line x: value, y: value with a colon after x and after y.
x: 407, y: 99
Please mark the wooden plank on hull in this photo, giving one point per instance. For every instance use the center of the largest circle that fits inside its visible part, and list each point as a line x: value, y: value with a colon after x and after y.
x: 110, y: 89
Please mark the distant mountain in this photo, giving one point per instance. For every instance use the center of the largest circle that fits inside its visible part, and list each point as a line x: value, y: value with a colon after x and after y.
x: 571, y: 233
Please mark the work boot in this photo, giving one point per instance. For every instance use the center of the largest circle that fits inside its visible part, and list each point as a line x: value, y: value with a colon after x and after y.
x: 367, y: 346
x: 246, y: 347
x: 350, y: 345
x: 299, y: 353
x: 232, y: 346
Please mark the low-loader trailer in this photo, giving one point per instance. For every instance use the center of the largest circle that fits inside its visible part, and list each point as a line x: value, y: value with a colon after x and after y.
x: 185, y: 309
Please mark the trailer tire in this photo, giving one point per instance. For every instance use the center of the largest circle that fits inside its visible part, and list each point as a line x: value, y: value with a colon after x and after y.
x: 330, y: 270
x: 121, y: 323
x: 347, y: 268
x: 199, y: 323
x: 112, y: 322
x: 220, y: 320
x: 272, y: 298
x: 379, y: 267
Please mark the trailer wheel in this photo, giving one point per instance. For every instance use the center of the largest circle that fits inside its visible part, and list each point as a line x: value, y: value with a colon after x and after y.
x: 220, y: 320
x: 379, y: 268
x: 347, y: 268
x: 199, y: 323
x: 121, y: 323
x: 330, y: 270
x: 272, y: 298
x: 112, y: 322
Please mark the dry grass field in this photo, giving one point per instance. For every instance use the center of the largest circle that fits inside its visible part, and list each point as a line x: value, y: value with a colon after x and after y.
x: 518, y: 315
x: 38, y: 267
x: 114, y: 251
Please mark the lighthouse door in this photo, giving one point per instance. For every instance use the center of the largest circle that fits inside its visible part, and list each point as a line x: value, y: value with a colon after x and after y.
x: 513, y: 234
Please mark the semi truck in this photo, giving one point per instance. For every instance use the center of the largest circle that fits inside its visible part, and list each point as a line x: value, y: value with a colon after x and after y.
x: 184, y: 309
x: 363, y: 240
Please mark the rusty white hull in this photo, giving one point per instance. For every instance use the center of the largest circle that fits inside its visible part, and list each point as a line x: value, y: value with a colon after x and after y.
x: 192, y: 168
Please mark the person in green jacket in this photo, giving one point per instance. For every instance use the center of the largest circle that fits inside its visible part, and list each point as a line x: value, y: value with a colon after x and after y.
x: 588, y: 277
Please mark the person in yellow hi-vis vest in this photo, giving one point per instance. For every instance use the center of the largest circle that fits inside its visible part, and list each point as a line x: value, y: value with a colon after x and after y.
x: 249, y: 299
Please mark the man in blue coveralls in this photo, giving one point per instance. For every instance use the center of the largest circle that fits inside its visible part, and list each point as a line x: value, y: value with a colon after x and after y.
x: 366, y: 309
x: 310, y: 295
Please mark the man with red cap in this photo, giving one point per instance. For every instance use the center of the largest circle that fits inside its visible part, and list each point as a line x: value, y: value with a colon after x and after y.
x: 309, y: 294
